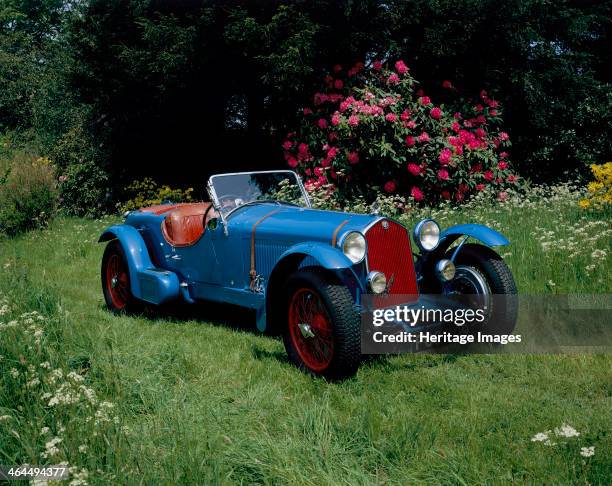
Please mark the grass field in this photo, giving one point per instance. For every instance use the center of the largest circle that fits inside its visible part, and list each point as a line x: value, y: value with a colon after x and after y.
x: 197, y: 396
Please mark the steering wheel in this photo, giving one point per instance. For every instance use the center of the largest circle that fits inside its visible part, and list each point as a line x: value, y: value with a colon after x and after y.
x: 231, y: 199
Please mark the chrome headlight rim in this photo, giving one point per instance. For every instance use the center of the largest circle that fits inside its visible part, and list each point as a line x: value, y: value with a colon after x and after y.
x: 374, y: 281
x: 445, y: 270
x: 349, y: 237
x: 418, y: 231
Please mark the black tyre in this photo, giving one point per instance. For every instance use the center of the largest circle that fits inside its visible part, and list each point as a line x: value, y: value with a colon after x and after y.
x: 480, y: 269
x: 116, y: 280
x: 322, y: 331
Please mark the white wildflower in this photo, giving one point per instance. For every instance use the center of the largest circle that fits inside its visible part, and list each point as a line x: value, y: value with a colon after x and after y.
x: 44, y: 431
x: 4, y: 418
x: 14, y: 373
x: 540, y: 437
x: 587, y: 451
x: 83, y: 448
x: 51, y: 448
x: 567, y: 431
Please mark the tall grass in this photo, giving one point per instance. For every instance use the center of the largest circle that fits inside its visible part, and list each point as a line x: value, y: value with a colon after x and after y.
x: 198, y: 397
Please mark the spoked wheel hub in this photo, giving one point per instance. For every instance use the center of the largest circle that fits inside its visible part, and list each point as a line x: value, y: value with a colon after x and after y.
x: 310, y: 329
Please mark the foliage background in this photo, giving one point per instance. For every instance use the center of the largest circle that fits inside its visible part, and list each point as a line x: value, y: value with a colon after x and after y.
x: 112, y: 90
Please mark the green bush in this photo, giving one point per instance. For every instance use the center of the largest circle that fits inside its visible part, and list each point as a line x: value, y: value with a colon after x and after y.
x: 84, y: 184
x: 28, y: 194
x: 146, y: 192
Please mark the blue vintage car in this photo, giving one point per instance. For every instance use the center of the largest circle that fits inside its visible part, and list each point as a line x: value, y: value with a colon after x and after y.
x: 259, y: 244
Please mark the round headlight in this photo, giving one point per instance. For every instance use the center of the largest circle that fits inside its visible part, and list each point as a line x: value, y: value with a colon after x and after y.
x: 377, y: 282
x: 427, y: 234
x: 354, y: 246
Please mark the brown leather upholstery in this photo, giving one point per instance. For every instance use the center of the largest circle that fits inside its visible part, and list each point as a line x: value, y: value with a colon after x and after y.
x: 184, y: 225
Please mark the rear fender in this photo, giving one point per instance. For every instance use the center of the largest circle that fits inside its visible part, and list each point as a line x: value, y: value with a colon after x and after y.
x: 147, y: 283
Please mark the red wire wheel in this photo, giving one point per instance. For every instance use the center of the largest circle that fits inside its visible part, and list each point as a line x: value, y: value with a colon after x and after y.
x: 321, y: 332
x: 116, y: 278
x: 311, y: 330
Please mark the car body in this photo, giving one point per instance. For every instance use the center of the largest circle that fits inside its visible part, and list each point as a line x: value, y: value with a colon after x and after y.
x: 247, y: 249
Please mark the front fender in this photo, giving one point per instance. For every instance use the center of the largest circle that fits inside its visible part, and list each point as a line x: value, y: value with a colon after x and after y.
x: 327, y: 256
x: 320, y: 254
x: 480, y: 232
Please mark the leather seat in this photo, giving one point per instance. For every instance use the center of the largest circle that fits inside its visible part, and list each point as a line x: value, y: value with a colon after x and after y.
x: 184, y: 225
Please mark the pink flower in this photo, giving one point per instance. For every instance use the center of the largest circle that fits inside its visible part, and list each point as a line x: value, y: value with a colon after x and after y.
x: 512, y: 178
x: 445, y: 156
x: 411, y: 124
x: 502, y: 196
x: 353, y: 158
x: 480, y: 133
x: 353, y: 120
x: 393, y: 79
x: 338, y: 84
x: 446, y: 84
x: 390, y: 186
x: 478, y: 107
x: 303, y: 148
x: 424, y: 100
x: 414, y: 169
x: 410, y: 141
x: 308, y: 172
x: 459, y: 196
x: 473, y: 144
x: 332, y: 152
x: 400, y: 67
x: 337, y: 68
x: 446, y: 195
x: 322, y: 123
x: 391, y: 117
x: 417, y: 194
x: 377, y: 65
x: 325, y: 162
x: 503, y: 136
x: 335, y: 120
x: 405, y: 115
x: 488, y: 175
x: 493, y: 103
x: 504, y: 155
x: 436, y: 113
x: 424, y: 137
x: 306, y: 111
x: 292, y: 162
x: 480, y: 187
x: 493, y: 112
x: 443, y: 174
x: 456, y: 127
x: 483, y: 95
x: 322, y: 180
x: 502, y: 165
x: 318, y: 171
x: 287, y: 145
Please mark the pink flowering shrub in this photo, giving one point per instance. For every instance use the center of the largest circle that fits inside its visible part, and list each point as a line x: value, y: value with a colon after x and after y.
x: 372, y: 130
